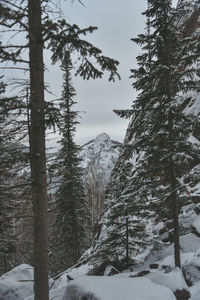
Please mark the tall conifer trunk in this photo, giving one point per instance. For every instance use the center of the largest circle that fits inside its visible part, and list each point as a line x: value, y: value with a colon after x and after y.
x: 37, y: 152
x: 174, y: 203
x: 177, y: 257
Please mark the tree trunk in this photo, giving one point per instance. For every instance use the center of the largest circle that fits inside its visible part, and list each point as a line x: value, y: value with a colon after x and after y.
x: 177, y: 257
x: 37, y: 153
x: 174, y: 203
x: 127, y: 243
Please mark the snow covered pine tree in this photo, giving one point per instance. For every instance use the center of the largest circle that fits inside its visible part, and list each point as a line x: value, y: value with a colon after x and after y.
x: 158, y: 143
x: 72, y: 214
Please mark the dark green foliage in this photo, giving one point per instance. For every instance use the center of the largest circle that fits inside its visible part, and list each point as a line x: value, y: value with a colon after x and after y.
x: 72, y: 218
x: 55, y: 36
x: 61, y: 34
x: 5, y: 196
x: 123, y: 233
x: 158, y: 150
x: 124, y: 113
x: 15, y: 200
x: 161, y: 127
x: 10, y: 158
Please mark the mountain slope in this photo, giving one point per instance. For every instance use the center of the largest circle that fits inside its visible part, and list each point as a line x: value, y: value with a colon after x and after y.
x: 98, y: 159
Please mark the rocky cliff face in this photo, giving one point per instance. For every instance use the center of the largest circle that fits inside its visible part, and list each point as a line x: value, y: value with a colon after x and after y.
x: 99, y: 157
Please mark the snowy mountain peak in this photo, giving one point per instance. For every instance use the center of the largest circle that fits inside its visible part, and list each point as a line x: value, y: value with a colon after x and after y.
x: 101, y: 140
x: 102, y: 137
x: 98, y: 159
x: 101, y: 151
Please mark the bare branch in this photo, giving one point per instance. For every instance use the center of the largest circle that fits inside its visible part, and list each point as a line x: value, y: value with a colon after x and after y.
x: 14, y: 68
x: 3, y: 188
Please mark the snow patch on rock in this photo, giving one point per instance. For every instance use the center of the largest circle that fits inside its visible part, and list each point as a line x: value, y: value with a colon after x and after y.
x: 187, y: 215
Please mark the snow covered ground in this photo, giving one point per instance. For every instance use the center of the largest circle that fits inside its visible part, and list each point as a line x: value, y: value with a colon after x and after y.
x: 156, y: 284
x: 114, y: 288
x: 18, y: 285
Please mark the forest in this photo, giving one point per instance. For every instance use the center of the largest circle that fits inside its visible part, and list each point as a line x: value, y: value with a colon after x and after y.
x: 105, y: 220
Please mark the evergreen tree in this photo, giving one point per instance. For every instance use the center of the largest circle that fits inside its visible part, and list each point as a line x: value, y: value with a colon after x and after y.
x: 5, y: 199
x: 162, y: 129
x: 11, y: 186
x: 33, y: 23
x: 124, y: 226
x: 72, y: 217
x: 159, y: 135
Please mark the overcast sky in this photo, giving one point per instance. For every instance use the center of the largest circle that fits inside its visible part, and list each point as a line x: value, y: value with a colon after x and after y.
x: 118, y: 21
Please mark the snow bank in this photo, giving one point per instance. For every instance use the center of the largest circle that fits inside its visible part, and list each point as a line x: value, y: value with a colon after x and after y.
x: 195, y: 292
x: 74, y: 273
x: 196, y: 225
x: 58, y: 288
x: 192, y: 269
x: 17, y: 284
x: 169, y: 260
x: 188, y: 243
x: 174, y: 280
x: 113, y: 288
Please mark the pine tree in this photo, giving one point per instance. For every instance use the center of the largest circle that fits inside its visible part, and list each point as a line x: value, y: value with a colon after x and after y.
x: 158, y: 139
x: 5, y: 203
x: 11, y: 160
x: 33, y: 23
x: 72, y: 217
x: 124, y: 232
x: 162, y: 130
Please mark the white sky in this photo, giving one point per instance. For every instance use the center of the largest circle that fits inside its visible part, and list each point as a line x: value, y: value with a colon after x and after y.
x: 117, y: 21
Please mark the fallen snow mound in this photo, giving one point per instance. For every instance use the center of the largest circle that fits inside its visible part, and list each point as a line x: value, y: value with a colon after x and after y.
x: 195, y: 292
x: 169, y: 260
x: 188, y: 243
x: 59, y: 286
x: 174, y: 280
x: 113, y: 288
x: 191, y: 269
x: 196, y: 225
x: 17, y: 284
